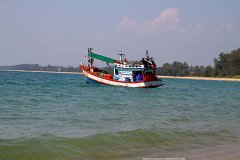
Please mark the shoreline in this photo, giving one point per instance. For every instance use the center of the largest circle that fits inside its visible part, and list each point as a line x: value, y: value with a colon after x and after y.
x: 222, y: 152
x: 173, y: 77
x: 41, y: 71
x: 202, y: 78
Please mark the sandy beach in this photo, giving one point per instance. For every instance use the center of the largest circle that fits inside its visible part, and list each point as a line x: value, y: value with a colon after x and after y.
x: 202, y: 78
x: 222, y: 152
x: 228, y: 152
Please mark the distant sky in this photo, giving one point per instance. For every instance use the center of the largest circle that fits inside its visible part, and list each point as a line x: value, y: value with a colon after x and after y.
x: 58, y: 32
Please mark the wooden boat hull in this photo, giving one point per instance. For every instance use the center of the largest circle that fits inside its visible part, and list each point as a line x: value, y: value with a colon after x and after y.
x: 92, y: 78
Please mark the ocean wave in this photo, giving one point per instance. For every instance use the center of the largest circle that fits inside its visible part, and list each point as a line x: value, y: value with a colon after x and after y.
x: 109, y: 145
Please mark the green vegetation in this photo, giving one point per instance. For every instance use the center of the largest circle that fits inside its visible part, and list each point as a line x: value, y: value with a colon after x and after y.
x: 226, y: 65
x: 37, y: 67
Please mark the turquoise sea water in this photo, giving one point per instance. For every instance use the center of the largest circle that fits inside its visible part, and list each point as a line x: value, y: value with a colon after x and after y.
x: 59, y: 116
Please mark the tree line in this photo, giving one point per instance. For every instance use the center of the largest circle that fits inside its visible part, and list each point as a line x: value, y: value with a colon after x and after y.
x: 226, y: 65
x: 37, y: 67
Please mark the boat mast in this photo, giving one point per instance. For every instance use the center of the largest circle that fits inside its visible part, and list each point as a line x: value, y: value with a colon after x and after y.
x: 90, y: 59
x: 121, y: 56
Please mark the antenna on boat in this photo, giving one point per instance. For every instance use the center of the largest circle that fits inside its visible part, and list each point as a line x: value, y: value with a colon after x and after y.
x: 147, y: 55
x: 121, y: 43
x: 121, y: 56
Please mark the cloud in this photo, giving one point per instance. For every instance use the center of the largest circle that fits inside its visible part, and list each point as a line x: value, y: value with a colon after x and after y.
x: 127, y: 24
x: 168, y: 20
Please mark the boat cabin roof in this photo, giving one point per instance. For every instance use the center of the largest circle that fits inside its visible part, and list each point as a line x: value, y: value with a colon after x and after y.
x: 128, y: 66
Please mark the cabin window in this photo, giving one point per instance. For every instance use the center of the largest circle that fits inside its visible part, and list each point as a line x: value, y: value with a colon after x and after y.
x: 116, y: 71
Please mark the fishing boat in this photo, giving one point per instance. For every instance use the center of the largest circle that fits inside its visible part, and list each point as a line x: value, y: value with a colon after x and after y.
x: 140, y: 74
